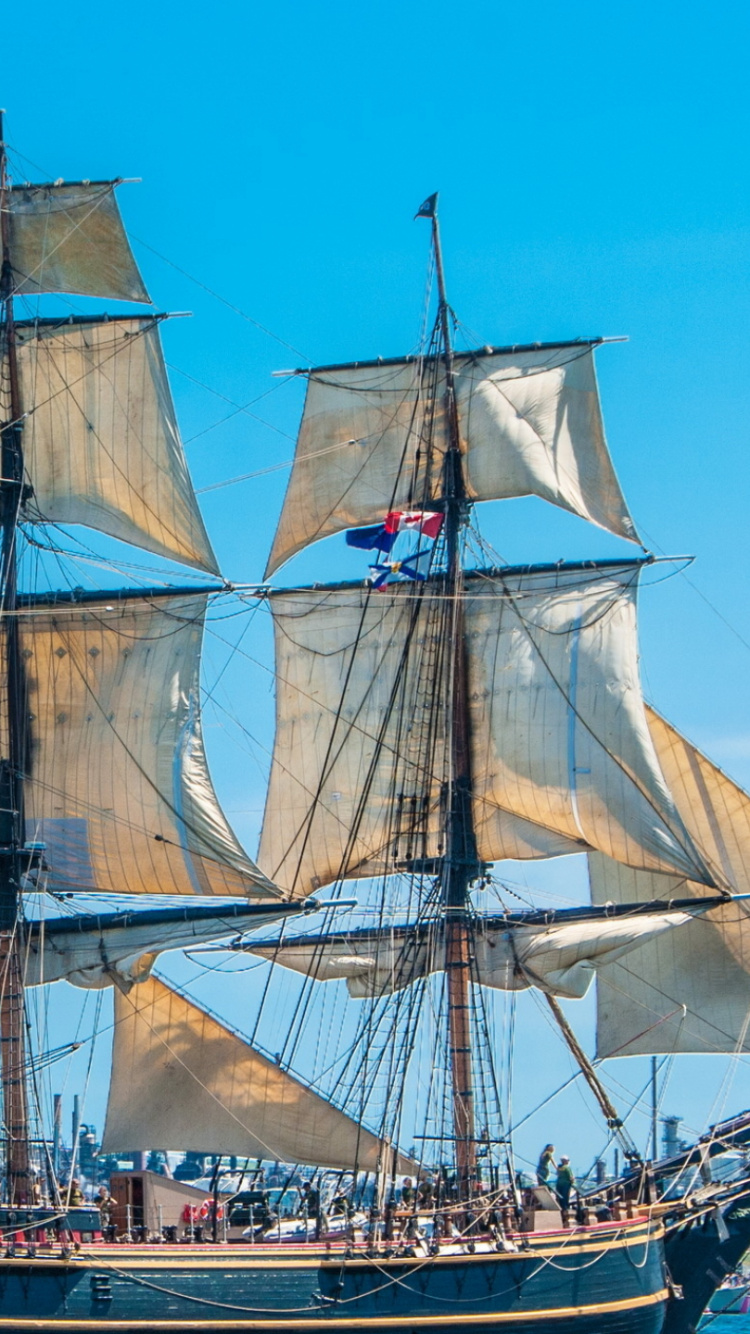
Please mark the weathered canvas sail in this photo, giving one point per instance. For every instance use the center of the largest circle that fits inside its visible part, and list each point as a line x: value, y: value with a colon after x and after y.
x: 118, y: 787
x: 94, y: 951
x: 561, y: 755
x: 181, y: 1079
x: 561, y: 959
x: 530, y: 424
x: 70, y: 238
x: 692, y: 993
x: 101, y: 441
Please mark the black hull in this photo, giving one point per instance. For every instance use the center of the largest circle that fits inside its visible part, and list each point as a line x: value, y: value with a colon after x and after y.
x: 699, y: 1257
x: 609, y: 1280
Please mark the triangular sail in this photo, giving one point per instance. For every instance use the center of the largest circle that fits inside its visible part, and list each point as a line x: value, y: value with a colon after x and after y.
x: 181, y: 1079
x: 70, y: 238
x: 561, y: 755
x: 373, y: 439
x: 118, y: 789
x: 690, y: 993
x: 101, y: 442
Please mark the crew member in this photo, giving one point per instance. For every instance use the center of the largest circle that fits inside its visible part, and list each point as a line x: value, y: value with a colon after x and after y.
x: 565, y: 1182
x: 545, y: 1164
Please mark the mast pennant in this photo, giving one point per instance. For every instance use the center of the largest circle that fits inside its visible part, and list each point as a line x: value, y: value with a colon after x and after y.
x: 692, y: 993
x: 181, y: 1079
x: 101, y: 442
x: 117, y: 787
x: 70, y: 238
x: 374, y: 436
x: 561, y: 755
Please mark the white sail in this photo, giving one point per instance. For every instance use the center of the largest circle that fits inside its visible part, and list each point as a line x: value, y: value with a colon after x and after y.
x: 691, y: 993
x: 180, y: 1079
x: 70, y: 238
x: 122, y: 948
x: 530, y: 424
x: 561, y: 755
x: 561, y: 958
x: 118, y: 788
x: 101, y: 442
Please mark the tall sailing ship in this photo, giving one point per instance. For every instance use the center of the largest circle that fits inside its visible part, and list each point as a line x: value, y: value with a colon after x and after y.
x: 433, y: 719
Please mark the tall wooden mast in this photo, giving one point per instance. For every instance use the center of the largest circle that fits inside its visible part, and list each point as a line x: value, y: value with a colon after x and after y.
x: 12, y: 763
x: 461, y: 864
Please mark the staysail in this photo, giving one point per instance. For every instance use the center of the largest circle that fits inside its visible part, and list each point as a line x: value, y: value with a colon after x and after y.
x: 561, y: 756
x: 373, y: 439
x: 118, y: 789
x: 561, y: 957
x: 182, y: 1079
x: 692, y: 993
x: 70, y: 238
x: 101, y: 442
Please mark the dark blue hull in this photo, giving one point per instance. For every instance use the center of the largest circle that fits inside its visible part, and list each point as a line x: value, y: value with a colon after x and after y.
x: 609, y: 1280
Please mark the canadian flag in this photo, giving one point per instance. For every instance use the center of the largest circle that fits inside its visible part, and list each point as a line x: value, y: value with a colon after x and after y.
x: 428, y: 522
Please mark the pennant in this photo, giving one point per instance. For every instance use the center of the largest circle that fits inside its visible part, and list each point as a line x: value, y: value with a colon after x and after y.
x: 377, y: 537
x: 429, y: 208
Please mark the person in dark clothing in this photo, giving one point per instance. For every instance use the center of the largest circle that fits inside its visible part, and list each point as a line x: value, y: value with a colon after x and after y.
x: 407, y: 1194
x: 310, y: 1206
x: 564, y: 1183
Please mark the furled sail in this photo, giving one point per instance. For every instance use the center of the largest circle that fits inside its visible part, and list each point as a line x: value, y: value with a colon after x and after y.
x: 181, y: 1079
x: 373, y: 439
x: 95, y: 950
x: 691, y: 993
x: 118, y: 788
x: 101, y: 442
x: 560, y: 958
x: 561, y: 755
x: 70, y: 238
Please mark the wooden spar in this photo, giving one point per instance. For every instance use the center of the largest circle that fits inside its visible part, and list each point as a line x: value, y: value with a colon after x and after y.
x: 461, y: 864
x: 12, y: 766
x: 597, y: 1088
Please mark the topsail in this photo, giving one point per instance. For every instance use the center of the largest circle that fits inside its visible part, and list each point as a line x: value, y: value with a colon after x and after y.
x: 561, y: 755
x: 101, y: 441
x: 70, y: 238
x: 117, y: 785
x: 373, y: 438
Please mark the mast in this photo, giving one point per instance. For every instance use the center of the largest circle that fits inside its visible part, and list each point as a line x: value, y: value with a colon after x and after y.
x: 461, y: 864
x: 12, y: 1016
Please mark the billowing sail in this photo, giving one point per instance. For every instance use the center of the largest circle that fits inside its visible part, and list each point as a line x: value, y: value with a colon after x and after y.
x: 561, y: 755
x: 180, y: 1079
x: 118, y: 789
x: 373, y: 439
x: 101, y: 442
x: 70, y: 238
x: 99, y: 950
x: 691, y: 993
x: 561, y: 958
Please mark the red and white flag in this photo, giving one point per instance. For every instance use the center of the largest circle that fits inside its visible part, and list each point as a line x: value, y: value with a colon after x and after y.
x: 428, y: 522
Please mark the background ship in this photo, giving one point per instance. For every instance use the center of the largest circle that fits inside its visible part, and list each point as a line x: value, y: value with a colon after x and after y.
x: 433, y: 719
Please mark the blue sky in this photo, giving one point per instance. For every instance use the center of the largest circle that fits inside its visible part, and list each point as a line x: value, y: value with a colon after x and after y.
x: 592, y: 164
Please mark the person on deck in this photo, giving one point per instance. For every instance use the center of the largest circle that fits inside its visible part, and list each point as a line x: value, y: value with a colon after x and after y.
x: 564, y: 1183
x: 545, y: 1164
x: 75, y: 1194
x: 310, y: 1206
x: 407, y: 1194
